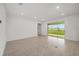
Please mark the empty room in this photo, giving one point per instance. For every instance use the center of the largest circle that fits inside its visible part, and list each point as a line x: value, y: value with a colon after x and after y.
x: 39, y: 29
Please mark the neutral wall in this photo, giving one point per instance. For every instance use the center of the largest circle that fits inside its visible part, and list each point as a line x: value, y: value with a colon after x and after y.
x: 44, y: 28
x: 72, y: 28
x: 19, y: 28
x: 2, y: 29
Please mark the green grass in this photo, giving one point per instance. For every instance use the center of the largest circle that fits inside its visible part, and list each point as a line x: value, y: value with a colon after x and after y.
x: 56, y: 33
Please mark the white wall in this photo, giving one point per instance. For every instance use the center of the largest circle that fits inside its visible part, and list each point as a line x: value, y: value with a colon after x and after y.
x: 72, y: 28
x: 2, y: 29
x: 19, y: 28
x: 44, y: 28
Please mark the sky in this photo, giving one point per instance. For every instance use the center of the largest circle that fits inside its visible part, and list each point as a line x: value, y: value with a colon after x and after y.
x: 56, y: 26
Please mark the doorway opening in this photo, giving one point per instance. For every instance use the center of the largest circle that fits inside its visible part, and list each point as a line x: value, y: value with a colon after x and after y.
x: 56, y: 29
x: 39, y: 29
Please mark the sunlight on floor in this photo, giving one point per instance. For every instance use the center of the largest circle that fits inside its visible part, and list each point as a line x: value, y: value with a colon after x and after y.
x: 56, y: 41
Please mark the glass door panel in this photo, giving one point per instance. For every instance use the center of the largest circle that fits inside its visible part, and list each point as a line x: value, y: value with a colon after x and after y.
x: 56, y: 29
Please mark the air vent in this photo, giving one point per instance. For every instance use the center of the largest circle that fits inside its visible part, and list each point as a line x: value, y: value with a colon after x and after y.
x: 20, y: 3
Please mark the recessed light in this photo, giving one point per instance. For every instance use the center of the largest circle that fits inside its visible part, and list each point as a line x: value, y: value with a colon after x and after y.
x: 62, y: 13
x: 22, y: 13
x: 57, y: 7
x: 35, y: 17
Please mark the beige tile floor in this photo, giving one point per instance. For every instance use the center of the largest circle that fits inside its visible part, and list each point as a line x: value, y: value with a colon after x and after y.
x: 42, y: 46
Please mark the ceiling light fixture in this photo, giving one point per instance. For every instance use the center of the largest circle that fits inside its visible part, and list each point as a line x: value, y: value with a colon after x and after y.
x: 20, y: 3
x: 57, y: 7
x: 35, y: 17
x: 22, y: 14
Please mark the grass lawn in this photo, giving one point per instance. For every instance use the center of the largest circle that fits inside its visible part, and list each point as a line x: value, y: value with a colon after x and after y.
x: 56, y: 29
x: 55, y: 35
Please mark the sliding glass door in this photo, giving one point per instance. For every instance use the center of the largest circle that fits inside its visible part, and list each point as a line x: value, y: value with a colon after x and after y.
x: 56, y: 29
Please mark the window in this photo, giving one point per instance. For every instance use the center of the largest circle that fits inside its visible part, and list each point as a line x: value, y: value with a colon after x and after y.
x: 56, y: 29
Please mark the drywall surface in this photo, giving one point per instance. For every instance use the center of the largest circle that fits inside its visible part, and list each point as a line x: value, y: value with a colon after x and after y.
x: 72, y: 28
x: 44, y: 28
x: 2, y: 29
x: 19, y: 28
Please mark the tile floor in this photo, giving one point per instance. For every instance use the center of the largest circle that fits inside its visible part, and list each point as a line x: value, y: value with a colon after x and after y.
x: 42, y: 46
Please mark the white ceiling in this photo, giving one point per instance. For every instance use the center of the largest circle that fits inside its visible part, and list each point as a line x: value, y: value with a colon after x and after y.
x: 41, y: 11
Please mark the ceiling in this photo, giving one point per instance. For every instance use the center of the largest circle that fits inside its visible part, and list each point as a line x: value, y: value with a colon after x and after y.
x: 41, y: 11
